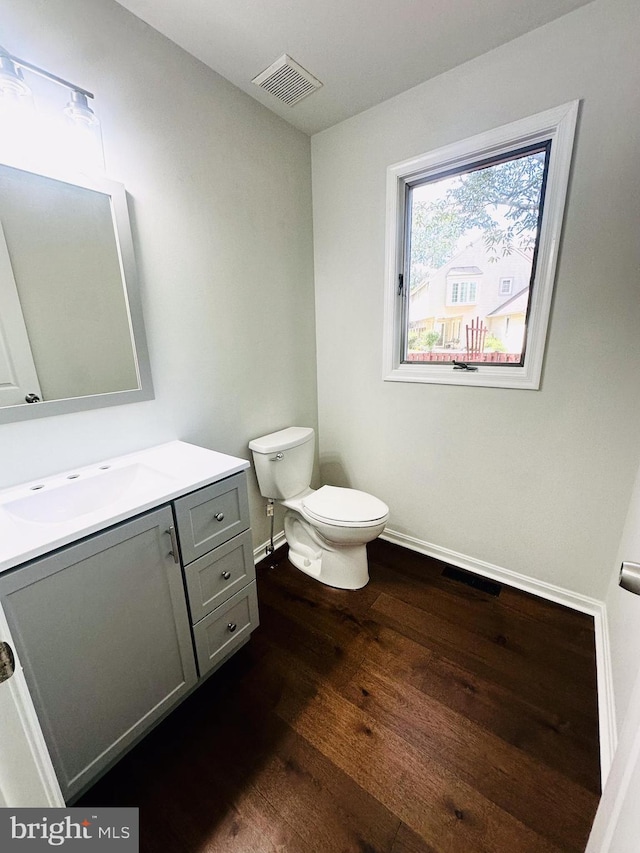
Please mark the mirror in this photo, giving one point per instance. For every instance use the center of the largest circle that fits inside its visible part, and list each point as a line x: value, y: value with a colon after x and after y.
x: 71, y: 329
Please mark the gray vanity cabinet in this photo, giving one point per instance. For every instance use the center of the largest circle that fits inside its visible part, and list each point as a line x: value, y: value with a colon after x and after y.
x: 103, y: 634
x: 116, y: 629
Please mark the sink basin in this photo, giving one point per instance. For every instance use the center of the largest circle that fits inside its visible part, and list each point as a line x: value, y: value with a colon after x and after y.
x: 84, y: 493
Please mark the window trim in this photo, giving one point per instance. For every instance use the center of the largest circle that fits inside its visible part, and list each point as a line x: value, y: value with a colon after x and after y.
x: 556, y: 125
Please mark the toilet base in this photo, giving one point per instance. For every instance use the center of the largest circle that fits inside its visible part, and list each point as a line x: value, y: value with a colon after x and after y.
x: 343, y: 567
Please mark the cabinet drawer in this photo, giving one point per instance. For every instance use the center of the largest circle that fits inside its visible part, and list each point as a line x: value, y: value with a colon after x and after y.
x: 227, y: 627
x: 214, y: 578
x: 211, y: 516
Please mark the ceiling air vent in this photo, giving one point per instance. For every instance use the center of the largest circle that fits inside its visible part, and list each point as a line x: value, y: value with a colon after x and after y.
x: 287, y: 81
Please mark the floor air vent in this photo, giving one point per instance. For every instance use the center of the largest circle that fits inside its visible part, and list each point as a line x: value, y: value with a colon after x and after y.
x: 287, y: 81
x: 470, y: 579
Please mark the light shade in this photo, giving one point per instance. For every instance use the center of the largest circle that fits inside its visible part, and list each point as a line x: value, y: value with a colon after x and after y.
x: 78, y: 109
x: 11, y: 79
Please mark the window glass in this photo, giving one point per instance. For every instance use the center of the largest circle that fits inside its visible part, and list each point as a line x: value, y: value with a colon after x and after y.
x: 470, y: 250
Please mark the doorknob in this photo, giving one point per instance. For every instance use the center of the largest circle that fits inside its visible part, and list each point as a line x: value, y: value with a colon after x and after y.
x: 7, y: 663
x: 630, y: 577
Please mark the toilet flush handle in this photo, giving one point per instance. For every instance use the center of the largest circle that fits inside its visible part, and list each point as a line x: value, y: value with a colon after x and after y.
x: 277, y: 457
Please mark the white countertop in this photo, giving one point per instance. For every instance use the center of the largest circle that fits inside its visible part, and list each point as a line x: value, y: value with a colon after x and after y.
x: 40, y: 516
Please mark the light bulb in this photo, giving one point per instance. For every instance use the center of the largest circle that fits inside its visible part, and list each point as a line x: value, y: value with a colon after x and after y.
x: 11, y: 79
x: 79, y: 111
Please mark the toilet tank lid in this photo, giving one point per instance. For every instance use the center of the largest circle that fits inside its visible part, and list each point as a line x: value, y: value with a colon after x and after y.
x: 284, y: 439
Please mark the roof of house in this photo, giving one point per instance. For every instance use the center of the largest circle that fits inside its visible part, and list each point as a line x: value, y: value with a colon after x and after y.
x: 516, y: 304
x: 527, y: 254
x: 464, y: 271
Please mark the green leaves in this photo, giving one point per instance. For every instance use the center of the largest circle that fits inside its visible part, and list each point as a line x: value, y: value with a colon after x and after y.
x: 501, y: 200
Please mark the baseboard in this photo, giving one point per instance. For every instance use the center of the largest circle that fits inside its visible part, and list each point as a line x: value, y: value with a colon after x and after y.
x: 606, y: 702
x: 260, y: 552
x: 550, y: 592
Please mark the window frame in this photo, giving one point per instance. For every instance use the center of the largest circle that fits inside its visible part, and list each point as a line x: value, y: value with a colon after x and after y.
x: 509, y: 291
x: 556, y: 126
x: 470, y: 283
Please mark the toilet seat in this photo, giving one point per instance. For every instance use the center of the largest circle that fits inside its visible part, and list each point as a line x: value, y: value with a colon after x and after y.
x: 344, y: 507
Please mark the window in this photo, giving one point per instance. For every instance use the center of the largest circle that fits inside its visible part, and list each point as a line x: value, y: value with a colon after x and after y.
x: 463, y: 292
x: 472, y: 238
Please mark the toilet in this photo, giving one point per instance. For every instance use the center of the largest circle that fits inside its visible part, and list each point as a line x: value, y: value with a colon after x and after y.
x: 327, y: 529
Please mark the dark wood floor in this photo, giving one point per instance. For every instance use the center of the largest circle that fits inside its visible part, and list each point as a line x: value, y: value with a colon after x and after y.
x: 417, y: 715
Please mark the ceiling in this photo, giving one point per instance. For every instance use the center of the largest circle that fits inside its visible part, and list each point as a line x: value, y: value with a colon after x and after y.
x: 363, y: 51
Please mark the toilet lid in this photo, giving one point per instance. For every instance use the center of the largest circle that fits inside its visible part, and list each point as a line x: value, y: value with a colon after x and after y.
x: 344, y: 506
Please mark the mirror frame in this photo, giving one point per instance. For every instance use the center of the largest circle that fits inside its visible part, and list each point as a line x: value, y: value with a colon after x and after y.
x: 124, y: 246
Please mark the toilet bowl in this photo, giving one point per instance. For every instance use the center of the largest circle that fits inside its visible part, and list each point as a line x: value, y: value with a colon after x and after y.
x: 327, y: 529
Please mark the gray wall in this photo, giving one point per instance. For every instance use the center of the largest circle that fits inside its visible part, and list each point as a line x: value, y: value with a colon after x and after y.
x: 220, y: 197
x: 537, y: 482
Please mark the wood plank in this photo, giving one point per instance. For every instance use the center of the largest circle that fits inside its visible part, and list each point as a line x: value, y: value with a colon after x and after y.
x: 408, y: 841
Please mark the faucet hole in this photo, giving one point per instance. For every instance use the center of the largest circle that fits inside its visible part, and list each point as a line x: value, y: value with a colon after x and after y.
x: 35, y: 488
x: 73, y: 476
x: 104, y: 467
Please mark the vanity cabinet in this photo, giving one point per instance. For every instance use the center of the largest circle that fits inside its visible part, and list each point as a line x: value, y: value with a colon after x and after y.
x: 103, y: 635
x: 116, y: 629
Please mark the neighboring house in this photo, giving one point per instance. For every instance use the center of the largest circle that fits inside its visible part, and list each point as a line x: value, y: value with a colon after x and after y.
x: 473, y: 284
x: 507, y: 322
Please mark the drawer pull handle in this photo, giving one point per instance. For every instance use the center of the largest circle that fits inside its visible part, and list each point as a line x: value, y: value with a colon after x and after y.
x: 219, y: 516
x: 174, y: 544
x: 231, y: 627
x: 226, y: 575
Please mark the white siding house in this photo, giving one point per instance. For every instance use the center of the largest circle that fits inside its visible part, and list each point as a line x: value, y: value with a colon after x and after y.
x: 475, y: 283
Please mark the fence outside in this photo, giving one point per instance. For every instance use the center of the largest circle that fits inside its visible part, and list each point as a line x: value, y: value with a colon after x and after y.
x: 477, y: 358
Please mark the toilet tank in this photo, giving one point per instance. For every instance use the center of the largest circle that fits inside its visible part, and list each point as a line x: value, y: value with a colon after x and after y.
x: 284, y: 462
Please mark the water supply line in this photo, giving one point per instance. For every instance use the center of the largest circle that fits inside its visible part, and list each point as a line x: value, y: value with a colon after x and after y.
x: 270, y: 547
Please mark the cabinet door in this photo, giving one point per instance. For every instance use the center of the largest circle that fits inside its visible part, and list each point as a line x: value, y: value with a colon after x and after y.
x: 103, y: 635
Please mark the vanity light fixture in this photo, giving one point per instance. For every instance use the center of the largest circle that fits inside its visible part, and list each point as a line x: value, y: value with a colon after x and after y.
x: 12, y: 82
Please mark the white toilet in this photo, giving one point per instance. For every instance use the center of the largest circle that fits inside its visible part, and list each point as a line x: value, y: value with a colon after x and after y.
x: 327, y: 530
